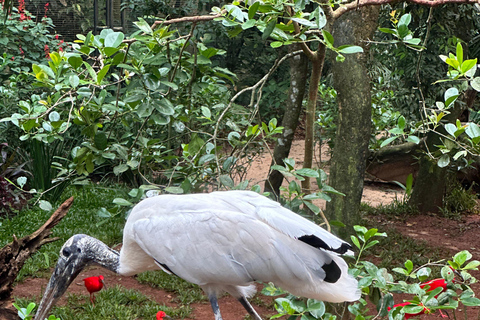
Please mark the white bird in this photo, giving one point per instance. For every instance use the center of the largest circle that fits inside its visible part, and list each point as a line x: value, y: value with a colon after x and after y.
x: 221, y: 241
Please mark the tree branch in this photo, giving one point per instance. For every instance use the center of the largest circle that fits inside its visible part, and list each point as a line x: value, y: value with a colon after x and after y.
x: 188, y: 19
x: 362, y: 3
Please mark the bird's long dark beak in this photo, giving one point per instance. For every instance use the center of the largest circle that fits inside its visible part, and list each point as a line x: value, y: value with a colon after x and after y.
x: 63, y: 275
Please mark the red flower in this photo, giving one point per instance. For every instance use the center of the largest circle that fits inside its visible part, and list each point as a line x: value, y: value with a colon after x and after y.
x: 56, y: 37
x: 46, y: 49
x: 46, y: 8
x: 13, y: 58
x: 21, y: 50
x: 21, y: 10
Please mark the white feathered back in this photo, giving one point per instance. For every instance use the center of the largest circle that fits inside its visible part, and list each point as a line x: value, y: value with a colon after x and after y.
x: 226, y: 240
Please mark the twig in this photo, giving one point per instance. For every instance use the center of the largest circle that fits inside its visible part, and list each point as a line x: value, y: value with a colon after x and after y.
x: 254, y: 87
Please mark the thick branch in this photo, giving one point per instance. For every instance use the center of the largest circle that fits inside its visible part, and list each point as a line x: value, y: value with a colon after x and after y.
x: 362, y: 3
x: 188, y: 19
x: 14, y: 254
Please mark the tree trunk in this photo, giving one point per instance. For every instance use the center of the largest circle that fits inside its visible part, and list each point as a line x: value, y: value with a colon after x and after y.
x: 354, y: 124
x: 293, y: 108
x: 317, y: 59
x: 431, y: 182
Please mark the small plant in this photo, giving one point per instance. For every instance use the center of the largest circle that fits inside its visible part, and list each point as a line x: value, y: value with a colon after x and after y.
x: 26, y: 313
x: 451, y: 291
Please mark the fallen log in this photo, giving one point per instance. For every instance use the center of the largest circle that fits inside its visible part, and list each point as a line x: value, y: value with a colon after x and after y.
x: 14, y: 255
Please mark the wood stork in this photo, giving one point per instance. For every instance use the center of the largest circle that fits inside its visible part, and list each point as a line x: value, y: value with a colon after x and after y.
x: 221, y: 241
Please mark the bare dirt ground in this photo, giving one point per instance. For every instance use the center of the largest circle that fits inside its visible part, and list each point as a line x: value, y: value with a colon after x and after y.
x: 451, y: 235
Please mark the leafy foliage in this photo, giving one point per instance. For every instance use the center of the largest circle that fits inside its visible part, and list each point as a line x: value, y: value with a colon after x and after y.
x: 380, y: 286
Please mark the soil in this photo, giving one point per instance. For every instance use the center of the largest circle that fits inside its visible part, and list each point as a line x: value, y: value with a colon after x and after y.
x: 451, y: 235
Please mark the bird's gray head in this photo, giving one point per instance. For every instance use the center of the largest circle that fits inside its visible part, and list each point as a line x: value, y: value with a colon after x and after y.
x: 78, y: 252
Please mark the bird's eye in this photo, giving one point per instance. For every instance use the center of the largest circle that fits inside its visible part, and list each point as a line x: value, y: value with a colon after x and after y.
x: 67, y: 252
x: 79, y: 250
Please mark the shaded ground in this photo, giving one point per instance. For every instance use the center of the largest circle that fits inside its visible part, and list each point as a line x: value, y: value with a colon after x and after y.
x: 451, y: 235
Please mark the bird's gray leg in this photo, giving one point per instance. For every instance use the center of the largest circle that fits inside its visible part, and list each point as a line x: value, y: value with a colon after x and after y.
x: 216, y: 309
x: 249, y: 308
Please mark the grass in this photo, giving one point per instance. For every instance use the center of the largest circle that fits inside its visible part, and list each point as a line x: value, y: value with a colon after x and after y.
x: 186, y: 292
x: 393, y: 250
x: 113, y: 303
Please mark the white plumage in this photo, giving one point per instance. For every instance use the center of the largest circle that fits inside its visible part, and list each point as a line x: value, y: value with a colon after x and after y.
x: 224, y: 241
x: 233, y: 238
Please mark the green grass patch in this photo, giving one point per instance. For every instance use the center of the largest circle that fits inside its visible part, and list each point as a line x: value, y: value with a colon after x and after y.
x: 113, y: 303
x: 186, y: 292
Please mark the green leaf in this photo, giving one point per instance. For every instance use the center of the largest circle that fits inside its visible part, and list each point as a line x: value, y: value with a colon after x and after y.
x: 120, y: 169
x: 253, y: 10
x: 226, y: 180
x: 409, y: 266
x: 370, y: 233
x: 175, y: 190
x: 386, y: 30
x: 444, y: 161
x: 405, y: 20
x: 347, y: 49
x: 470, y: 302
x: 319, y: 17
x: 450, y: 96
x: 459, y: 53
x: 101, y: 74
x: 269, y: 29
x: 413, y: 139
x: 54, y: 116
x: 276, y: 44
x: 235, y: 11
x: 165, y: 107
x: 45, y: 205
x: 472, y: 130
x: 101, y: 141
x: 306, y: 172
x: 328, y: 38
x: 388, y: 141
x: 424, y: 273
x: 475, y: 83
x: 249, y: 24
x: 75, y: 62
x: 447, y: 273
x: 312, y: 207
x: 114, y: 39
x: 122, y: 202
x: 104, y: 213
x: 316, y: 308
x: 472, y: 265
x: 413, y: 41
x: 90, y: 71
x: 21, y: 181
x: 401, y: 123
x: 304, y: 22
x: 461, y: 257
x: 74, y: 80
x: 451, y: 129
x: 355, y: 241
x: 371, y: 244
x: 206, y: 112
x: 144, y: 26
x: 468, y: 64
